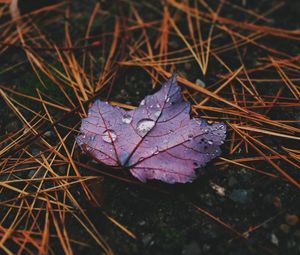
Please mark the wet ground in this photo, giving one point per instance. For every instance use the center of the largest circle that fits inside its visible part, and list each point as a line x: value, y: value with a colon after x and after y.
x: 165, y: 218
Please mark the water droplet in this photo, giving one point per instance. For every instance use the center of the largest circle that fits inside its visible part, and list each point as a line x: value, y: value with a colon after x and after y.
x: 144, y: 126
x: 222, y: 126
x: 141, y: 159
x: 142, y: 102
x: 158, y: 105
x: 168, y: 99
x: 156, y: 114
x: 92, y: 138
x: 126, y: 119
x: 109, y: 136
x: 156, y: 151
x: 190, y: 136
x: 210, y: 142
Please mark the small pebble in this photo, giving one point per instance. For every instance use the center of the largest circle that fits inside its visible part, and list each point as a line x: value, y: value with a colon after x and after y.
x: 12, y: 126
x: 142, y: 223
x: 291, y: 219
x: 147, y: 239
x: 206, y: 247
x: 219, y: 189
x: 297, y: 234
x: 174, y: 44
x: 277, y: 202
x: 31, y: 173
x: 274, y: 239
x: 232, y: 181
x: 291, y: 244
x: 200, y: 83
x: 241, y: 196
x: 35, y: 152
x: 187, y: 66
x: 192, y: 249
x: 285, y: 228
x: 48, y: 134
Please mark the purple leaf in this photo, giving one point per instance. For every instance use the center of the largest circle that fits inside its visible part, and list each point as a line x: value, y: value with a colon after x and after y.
x: 157, y: 140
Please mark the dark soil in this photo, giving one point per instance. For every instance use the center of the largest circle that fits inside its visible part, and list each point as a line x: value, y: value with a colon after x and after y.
x: 164, y: 217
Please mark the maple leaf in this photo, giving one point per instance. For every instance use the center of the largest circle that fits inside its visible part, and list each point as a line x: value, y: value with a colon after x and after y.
x: 158, y: 140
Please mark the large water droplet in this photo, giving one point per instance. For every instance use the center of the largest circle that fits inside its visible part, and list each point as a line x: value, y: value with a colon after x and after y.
x: 144, y: 126
x: 126, y: 119
x: 109, y: 136
x: 142, y: 102
x: 168, y: 99
x: 210, y: 142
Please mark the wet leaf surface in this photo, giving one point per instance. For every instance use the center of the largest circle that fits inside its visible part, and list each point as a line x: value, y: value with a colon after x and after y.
x: 158, y: 140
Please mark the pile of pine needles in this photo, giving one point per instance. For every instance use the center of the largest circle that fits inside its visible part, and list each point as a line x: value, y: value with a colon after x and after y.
x: 239, y: 68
